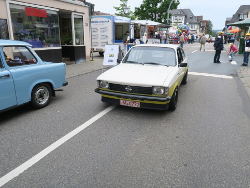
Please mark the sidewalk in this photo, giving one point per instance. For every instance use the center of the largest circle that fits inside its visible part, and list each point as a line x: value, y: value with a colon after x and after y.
x: 83, y: 68
x: 244, y: 75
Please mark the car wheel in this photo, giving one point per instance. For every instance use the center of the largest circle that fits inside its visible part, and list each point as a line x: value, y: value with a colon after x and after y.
x: 41, y: 96
x: 174, y: 101
x: 101, y: 53
x: 184, y: 81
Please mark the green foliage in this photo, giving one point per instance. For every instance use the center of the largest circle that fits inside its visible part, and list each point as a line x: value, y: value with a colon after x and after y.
x: 209, y: 29
x: 121, y: 10
x: 155, y: 10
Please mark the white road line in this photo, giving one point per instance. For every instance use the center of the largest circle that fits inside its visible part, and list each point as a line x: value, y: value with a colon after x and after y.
x: 234, y: 63
x: 210, y: 75
x: 194, y: 51
x: 29, y: 163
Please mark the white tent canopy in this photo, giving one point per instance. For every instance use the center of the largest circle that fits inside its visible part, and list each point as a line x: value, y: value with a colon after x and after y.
x: 146, y: 22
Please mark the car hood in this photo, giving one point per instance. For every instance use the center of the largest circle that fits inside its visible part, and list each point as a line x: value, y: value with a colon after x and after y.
x: 138, y: 75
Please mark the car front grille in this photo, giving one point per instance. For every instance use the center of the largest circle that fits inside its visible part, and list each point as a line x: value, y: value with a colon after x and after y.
x: 131, y: 89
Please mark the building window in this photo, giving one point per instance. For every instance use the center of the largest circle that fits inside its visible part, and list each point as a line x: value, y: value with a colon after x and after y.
x: 78, y: 26
x: 39, y: 27
x: 4, y: 34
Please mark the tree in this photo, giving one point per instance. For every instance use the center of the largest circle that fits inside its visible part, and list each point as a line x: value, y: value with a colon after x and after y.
x: 155, y: 10
x: 209, y: 28
x: 124, y: 10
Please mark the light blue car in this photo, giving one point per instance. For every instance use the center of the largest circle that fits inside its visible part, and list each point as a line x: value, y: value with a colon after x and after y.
x: 25, y: 78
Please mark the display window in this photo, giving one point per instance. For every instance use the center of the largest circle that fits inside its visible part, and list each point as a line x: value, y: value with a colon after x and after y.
x: 4, y: 33
x: 39, y: 27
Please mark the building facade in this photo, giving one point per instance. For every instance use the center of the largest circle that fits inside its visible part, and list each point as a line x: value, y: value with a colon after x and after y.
x: 185, y: 17
x: 58, y: 30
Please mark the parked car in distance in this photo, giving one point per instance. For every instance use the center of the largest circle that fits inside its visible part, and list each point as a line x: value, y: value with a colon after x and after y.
x: 24, y: 77
x: 149, y: 76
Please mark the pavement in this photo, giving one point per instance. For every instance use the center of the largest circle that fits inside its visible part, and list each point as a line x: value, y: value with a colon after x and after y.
x: 84, y: 68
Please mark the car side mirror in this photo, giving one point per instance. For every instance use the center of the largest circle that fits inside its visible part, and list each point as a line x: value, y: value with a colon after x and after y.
x: 183, y: 65
x: 119, y: 61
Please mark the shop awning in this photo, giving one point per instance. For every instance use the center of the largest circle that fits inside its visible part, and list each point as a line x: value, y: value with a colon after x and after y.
x: 242, y: 23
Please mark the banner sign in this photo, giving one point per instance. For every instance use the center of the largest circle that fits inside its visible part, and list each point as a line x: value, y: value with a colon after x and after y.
x: 29, y: 11
x: 111, y: 55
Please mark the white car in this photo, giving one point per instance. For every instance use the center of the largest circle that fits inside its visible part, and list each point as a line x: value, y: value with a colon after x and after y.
x: 149, y: 76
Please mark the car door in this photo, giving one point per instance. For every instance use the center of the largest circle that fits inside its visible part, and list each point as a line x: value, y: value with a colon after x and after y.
x: 181, y: 71
x: 23, y: 66
x: 7, y: 89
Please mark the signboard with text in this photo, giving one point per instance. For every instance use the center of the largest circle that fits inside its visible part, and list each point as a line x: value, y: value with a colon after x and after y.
x: 111, y: 55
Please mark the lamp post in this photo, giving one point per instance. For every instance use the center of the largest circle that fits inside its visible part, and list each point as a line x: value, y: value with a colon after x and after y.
x: 172, y: 1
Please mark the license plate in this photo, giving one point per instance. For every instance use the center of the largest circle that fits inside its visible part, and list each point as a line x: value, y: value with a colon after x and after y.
x: 130, y: 103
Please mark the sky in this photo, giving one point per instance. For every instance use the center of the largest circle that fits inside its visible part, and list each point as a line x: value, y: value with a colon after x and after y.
x: 215, y: 10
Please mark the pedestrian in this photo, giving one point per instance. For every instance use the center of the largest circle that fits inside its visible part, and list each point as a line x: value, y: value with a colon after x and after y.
x: 182, y: 40
x: 192, y: 38
x: 203, y: 40
x: 247, y: 50
x: 232, y: 51
x: 218, y: 46
x: 189, y: 39
x: 145, y: 38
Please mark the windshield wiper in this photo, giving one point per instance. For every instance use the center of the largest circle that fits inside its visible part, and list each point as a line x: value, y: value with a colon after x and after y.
x: 135, y: 62
x: 153, y: 63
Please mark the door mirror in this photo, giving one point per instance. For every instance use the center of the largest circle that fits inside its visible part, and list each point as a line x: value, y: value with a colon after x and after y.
x: 119, y: 61
x: 183, y: 65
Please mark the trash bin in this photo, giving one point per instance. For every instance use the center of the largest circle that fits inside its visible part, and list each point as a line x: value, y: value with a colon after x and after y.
x: 242, y: 45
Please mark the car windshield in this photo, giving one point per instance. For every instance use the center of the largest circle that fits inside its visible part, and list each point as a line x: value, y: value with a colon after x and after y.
x: 151, y: 55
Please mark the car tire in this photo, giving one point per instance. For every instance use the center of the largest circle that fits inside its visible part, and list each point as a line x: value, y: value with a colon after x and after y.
x: 173, y: 101
x: 185, y: 79
x: 101, y: 54
x: 41, y: 96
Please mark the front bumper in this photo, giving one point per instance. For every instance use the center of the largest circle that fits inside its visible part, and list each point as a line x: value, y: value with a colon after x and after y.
x: 147, y: 102
x: 65, y: 83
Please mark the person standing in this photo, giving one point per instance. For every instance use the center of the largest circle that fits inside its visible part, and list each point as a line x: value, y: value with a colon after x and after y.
x: 182, y: 40
x: 203, y: 40
x: 247, y: 50
x: 218, y: 46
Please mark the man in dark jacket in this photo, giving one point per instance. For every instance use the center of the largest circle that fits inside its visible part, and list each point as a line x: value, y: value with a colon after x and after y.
x: 247, y: 50
x: 218, y: 46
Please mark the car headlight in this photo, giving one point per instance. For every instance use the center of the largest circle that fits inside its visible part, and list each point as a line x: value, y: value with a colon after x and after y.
x: 158, y: 90
x: 103, y: 84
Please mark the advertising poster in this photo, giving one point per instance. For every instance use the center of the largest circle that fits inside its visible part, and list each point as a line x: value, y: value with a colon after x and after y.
x: 111, y: 55
x: 102, y: 31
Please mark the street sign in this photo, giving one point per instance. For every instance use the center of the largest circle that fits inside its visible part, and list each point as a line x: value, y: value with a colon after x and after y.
x: 111, y: 55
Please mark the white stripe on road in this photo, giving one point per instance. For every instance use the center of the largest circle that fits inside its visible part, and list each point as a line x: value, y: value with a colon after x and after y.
x: 234, y: 63
x: 210, y: 75
x: 194, y: 51
x: 29, y: 163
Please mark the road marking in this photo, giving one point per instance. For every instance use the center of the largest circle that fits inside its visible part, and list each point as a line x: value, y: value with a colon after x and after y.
x: 29, y: 163
x: 210, y: 75
x: 233, y: 62
x: 194, y: 51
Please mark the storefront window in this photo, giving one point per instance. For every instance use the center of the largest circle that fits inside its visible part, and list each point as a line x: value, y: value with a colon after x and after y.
x: 4, y: 34
x: 39, y: 27
x: 66, y: 28
x: 79, y: 34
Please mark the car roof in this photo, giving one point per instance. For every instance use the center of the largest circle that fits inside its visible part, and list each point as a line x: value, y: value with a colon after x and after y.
x: 174, y: 46
x: 13, y: 43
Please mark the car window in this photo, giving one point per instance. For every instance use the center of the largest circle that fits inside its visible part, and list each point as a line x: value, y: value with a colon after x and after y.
x: 180, y: 57
x: 1, y: 63
x: 18, y: 55
x: 151, y: 55
x: 183, y: 53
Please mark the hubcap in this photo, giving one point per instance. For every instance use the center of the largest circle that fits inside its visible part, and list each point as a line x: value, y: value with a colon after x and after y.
x: 42, y: 95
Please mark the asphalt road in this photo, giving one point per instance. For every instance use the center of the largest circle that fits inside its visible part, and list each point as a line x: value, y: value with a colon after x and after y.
x: 204, y: 143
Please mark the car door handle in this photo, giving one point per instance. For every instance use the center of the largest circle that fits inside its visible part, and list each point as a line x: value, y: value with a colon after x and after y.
x: 5, y: 76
